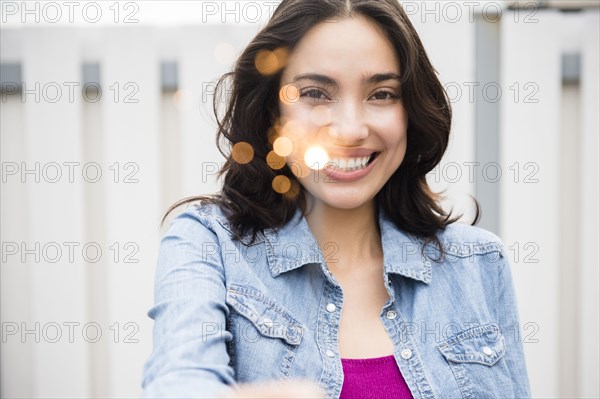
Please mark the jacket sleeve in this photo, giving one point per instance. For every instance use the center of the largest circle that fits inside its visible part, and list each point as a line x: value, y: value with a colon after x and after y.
x: 511, y: 328
x: 189, y: 357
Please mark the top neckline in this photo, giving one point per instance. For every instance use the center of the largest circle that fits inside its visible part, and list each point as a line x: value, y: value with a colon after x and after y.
x: 368, y: 360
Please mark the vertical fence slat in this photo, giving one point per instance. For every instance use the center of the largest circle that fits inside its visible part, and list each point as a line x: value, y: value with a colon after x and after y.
x: 52, y: 135
x: 589, y: 199
x: 131, y: 85
x: 529, y: 209
x: 199, y: 156
x: 15, y: 277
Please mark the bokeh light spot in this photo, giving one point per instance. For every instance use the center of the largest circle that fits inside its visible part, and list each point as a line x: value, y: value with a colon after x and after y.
x: 281, y: 184
x: 293, y: 128
x: 242, y: 152
x: 316, y: 157
x: 224, y: 53
x: 275, y: 161
x: 182, y: 99
x: 283, y: 146
x: 266, y: 62
x: 282, y: 55
x: 289, y: 94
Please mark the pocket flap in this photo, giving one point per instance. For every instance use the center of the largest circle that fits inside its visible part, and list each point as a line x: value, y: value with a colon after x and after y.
x: 269, y: 318
x: 480, y: 344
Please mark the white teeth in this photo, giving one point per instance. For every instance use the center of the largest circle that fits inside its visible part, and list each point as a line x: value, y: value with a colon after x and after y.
x: 350, y: 163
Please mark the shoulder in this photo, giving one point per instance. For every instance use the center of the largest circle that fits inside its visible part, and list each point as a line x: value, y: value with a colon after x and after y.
x: 199, y: 220
x: 460, y: 239
x: 478, y: 254
x: 194, y: 236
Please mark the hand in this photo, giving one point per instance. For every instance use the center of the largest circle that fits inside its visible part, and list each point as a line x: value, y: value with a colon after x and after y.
x: 290, y: 389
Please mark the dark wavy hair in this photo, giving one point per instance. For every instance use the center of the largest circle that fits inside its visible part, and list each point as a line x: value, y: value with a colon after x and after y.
x: 252, y: 111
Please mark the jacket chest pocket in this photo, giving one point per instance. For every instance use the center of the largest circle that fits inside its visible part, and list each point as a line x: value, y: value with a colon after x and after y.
x: 476, y: 359
x: 265, y: 335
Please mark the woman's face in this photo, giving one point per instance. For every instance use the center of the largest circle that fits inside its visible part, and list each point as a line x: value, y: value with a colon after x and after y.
x: 341, y: 111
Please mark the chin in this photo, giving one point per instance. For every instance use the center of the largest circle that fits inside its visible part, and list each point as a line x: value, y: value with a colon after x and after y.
x: 345, y: 202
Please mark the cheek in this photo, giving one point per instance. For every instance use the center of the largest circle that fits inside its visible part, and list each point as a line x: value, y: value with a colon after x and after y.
x: 393, y: 126
x: 396, y: 115
x: 296, y: 111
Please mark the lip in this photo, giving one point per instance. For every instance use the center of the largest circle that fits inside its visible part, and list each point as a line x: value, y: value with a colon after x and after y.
x: 350, y: 176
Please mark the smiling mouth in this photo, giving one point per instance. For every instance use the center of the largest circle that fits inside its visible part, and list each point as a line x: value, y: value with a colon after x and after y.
x: 351, y: 164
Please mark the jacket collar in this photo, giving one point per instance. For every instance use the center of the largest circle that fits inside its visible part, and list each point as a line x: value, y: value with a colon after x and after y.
x: 293, y: 245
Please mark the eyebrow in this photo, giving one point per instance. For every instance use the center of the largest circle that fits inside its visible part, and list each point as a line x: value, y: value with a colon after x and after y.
x: 376, y: 78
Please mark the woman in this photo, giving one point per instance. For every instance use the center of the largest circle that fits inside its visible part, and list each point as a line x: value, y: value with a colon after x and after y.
x: 325, y: 257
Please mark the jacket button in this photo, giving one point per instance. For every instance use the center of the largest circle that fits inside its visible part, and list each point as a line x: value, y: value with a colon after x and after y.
x: 391, y: 314
x: 488, y: 351
x: 331, y: 307
x: 330, y: 353
x: 406, y: 354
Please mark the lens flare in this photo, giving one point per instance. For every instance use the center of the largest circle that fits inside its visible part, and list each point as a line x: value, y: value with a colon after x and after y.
x: 316, y: 157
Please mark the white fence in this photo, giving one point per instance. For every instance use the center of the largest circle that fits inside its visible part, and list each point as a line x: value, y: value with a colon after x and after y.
x: 85, y: 182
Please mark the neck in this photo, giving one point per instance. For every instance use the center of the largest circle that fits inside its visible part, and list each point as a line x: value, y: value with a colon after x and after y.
x: 354, y: 233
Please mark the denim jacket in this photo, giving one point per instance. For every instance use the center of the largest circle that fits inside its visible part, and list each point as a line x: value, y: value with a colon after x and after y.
x: 227, y: 313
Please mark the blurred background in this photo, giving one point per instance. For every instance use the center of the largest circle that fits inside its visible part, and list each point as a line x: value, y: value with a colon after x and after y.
x: 106, y: 119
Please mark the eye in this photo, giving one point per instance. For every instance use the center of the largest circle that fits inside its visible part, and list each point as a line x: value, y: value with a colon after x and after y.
x: 313, y: 94
x: 385, y: 95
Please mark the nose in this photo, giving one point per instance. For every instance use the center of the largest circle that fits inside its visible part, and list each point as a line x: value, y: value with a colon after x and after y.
x: 348, y: 124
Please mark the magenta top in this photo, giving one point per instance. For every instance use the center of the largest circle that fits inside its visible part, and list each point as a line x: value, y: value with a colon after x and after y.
x: 377, y: 377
